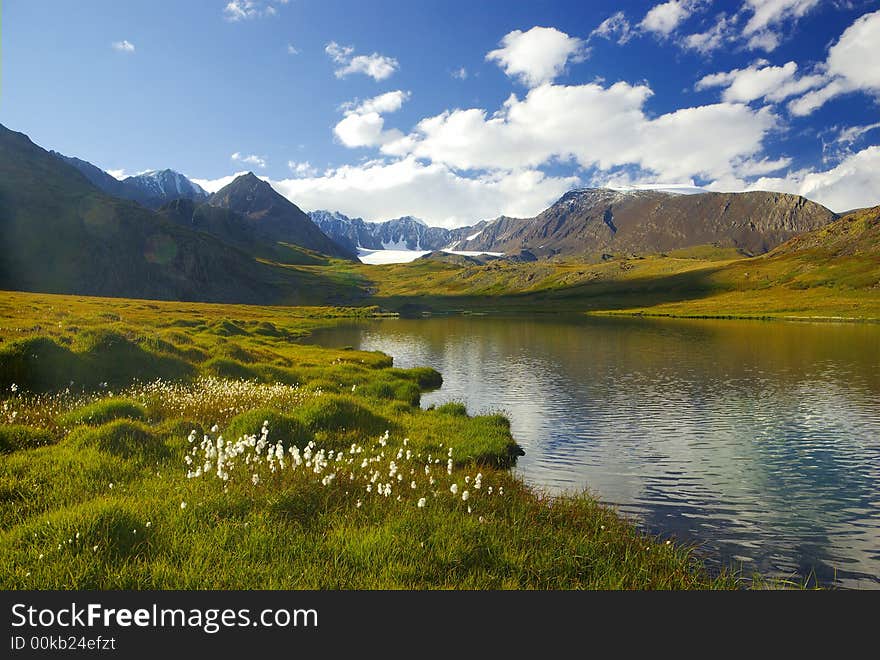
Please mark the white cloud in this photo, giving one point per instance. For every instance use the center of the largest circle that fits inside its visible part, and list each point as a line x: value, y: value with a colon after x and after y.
x: 854, y: 183
x: 856, y: 57
x: 244, y: 10
x: 252, y: 159
x: 853, y: 133
x: 761, y: 81
x: 124, y: 46
x: 614, y: 28
x: 213, y: 185
x: 378, y: 67
x: 363, y: 125
x: 853, y: 64
x: 722, y: 31
x: 537, y: 56
x: 664, y: 19
x: 814, y: 100
x: 292, y: 50
x: 387, y: 102
x: 381, y: 191
x: 364, y: 130
x: 460, y: 74
x: 596, y: 126
x: 303, y: 169
x: 769, y: 13
x: 751, y: 167
x: 761, y: 29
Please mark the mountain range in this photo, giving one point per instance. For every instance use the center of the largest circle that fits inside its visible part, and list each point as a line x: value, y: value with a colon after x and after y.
x: 406, y: 233
x: 592, y: 222
x: 151, y: 189
x: 595, y: 221
x: 68, y: 226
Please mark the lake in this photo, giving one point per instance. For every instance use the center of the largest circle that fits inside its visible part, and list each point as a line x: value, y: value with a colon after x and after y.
x: 757, y: 441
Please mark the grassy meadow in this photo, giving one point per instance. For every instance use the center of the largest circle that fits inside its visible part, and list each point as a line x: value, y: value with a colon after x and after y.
x: 159, y: 445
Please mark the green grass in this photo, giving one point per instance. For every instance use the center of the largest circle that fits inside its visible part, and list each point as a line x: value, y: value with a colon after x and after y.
x: 104, y: 411
x: 95, y: 492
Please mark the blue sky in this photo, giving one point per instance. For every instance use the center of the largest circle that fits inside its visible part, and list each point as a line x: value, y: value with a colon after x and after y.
x: 456, y: 111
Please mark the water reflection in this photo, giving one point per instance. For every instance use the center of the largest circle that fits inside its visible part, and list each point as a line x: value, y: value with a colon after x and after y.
x: 760, y: 441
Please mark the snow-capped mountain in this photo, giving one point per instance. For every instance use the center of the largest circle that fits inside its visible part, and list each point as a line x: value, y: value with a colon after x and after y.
x: 406, y: 233
x: 159, y: 187
x: 151, y: 189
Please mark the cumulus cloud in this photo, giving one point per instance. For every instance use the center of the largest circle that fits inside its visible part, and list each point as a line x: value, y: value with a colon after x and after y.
x: 853, y: 64
x: 538, y: 55
x: 124, y: 46
x: 761, y: 81
x: 614, y: 28
x: 664, y: 19
x: 853, y: 183
x: 381, y: 191
x: 595, y: 126
x: 251, y: 159
x: 363, y: 124
x: 292, y: 50
x: 460, y: 73
x: 376, y: 66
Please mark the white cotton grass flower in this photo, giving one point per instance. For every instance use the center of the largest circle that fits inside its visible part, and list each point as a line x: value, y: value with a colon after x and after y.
x: 464, y: 496
x: 454, y: 489
x: 183, y: 505
x: 421, y: 503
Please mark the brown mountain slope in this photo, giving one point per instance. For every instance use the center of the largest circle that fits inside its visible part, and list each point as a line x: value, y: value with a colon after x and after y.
x: 594, y: 221
x: 274, y: 217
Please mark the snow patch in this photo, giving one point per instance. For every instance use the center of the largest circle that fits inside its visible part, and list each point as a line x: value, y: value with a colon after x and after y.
x: 378, y: 257
x: 671, y: 188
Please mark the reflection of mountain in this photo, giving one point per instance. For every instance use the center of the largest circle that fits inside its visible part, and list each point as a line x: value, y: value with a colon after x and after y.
x: 760, y: 439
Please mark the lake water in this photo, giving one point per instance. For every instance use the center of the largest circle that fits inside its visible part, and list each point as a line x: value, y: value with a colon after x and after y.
x: 758, y: 441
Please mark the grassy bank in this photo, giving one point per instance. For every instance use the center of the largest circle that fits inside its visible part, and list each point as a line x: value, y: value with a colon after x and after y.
x: 204, y: 446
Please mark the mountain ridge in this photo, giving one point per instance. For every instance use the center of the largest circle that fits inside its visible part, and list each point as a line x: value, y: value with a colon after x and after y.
x: 274, y: 217
x: 152, y: 189
x: 590, y: 222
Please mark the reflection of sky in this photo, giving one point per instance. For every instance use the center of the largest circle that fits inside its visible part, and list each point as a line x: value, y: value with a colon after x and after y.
x: 760, y: 441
